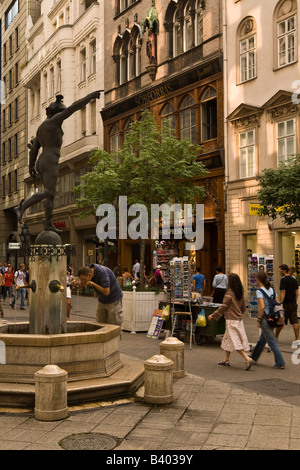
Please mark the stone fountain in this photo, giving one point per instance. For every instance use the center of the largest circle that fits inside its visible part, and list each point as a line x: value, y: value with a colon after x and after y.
x: 87, y: 351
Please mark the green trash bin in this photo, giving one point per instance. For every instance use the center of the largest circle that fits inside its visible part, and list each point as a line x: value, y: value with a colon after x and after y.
x: 213, y: 327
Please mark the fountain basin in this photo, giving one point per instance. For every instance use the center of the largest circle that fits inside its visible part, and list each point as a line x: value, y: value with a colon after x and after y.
x: 88, y: 350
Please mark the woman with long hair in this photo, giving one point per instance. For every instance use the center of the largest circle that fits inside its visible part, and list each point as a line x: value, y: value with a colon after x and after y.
x: 233, y: 307
x: 267, y: 332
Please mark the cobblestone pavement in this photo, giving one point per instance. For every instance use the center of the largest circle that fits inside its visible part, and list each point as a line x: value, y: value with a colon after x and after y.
x: 213, y: 407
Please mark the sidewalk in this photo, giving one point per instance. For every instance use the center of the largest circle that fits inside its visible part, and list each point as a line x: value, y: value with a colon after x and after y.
x: 207, y: 413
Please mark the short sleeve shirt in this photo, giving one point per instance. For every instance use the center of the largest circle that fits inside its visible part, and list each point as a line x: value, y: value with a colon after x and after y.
x: 290, y: 285
x: 104, y: 277
x: 260, y: 295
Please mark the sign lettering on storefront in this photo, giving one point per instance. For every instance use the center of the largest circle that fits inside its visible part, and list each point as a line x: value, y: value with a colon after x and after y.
x: 255, y: 209
x: 154, y: 94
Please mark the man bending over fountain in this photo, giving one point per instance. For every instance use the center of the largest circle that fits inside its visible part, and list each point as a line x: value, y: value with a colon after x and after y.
x: 49, y: 136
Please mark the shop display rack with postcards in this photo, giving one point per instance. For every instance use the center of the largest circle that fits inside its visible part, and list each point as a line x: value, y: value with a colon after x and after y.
x: 257, y: 263
x: 181, y: 279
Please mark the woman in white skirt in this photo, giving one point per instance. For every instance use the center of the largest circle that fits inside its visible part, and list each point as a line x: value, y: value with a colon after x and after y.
x: 233, y: 307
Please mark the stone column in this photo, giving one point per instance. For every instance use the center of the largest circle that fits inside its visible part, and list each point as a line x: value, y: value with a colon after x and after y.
x: 173, y: 349
x: 51, y: 394
x: 47, y: 271
x: 158, y: 380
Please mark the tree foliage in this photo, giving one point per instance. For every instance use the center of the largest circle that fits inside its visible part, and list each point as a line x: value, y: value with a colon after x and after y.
x: 280, y: 191
x: 152, y: 167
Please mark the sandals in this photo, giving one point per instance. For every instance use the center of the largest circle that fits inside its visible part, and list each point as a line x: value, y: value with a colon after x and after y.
x: 224, y: 363
x: 249, y: 364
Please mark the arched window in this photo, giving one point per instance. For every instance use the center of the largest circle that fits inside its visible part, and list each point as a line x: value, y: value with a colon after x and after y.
x: 188, y: 119
x: 209, y: 114
x: 177, y: 35
x: 188, y: 29
x: 167, y: 114
x: 247, y: 50
x: 198, y: 23
x: 123, y: 64
x: 114, y: 139
x: 286, y: 32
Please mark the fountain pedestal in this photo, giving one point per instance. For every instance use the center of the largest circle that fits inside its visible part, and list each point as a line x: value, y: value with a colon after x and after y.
x: 47, y: 311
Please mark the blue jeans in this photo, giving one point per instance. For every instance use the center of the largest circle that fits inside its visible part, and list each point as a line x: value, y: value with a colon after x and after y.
x: 268, y: 336
x: 21, y: 292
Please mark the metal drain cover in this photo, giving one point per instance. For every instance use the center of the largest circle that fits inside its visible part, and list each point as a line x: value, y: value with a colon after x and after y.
x: 89, y: 441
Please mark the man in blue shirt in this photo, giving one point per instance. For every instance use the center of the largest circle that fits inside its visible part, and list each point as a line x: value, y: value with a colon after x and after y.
x: 108, y: 290
x: 198, y: 281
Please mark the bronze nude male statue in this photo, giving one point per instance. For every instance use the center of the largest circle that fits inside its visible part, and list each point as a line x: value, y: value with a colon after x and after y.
x: 49, y: 136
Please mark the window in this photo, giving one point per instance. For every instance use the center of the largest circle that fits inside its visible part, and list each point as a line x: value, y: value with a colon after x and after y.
x: 11, y: 13
x: 93, y: 58
x: 199, y: 23
x: 125, y: 4
x: 167, y: 115
x: 4, y: 119
x: 3, y: 152
x: 17, y: 37
x: 114, y: 138
x: 286, y: 33
x: 123, y: 65
x: 16, y: 144
x: 9, y: 149
x: 16, y: 109
x: 16, y: 73
x: 9, y: 114
x: 286, y: 140
x: 51, y: 82
x: 10, y: 45
x: 3, y: 186
x: 9, y: 183
x: 247, y: 50
x: 248, y: 58
x: 58, y: 84
x: 16, y: 179
x: 177, y: 36
x: 247, y: 154
x: 188, y: 29
x: 83, y: 121
x: 11, y: 79
x: 4, y: 53
x: 83, y: 65
x: 188, y: 119
x: 93, y: 111
x: 209, y: 114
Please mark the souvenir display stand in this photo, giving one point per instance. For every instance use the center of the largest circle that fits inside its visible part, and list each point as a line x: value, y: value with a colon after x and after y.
x: 181, y: 279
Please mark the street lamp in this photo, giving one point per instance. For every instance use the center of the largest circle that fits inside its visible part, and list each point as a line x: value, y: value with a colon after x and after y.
x: 24, y: 237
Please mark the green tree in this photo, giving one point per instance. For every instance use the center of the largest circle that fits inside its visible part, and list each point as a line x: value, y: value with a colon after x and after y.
x: 279, y: 194
x: 152, y: 167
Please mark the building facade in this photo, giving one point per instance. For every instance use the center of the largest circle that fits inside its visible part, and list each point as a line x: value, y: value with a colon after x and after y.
x: 166, y: 56
x: 261, y: 63
x: 13, y: 165
x: 65, y: 56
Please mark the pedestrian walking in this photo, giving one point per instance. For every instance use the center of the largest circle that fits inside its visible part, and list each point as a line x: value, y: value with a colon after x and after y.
x: 1, y: 283
x: 20, y: 281
x: 233, y: 307
x: 108, y: 290
x: 8, y: 282
x: 220, y: 283
x: 267, y: 332
x: 289, y: 299
x: 198, y: 281
x: 69, y: 294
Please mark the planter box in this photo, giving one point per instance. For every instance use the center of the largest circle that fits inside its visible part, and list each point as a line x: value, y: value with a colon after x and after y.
x: 138, y: 309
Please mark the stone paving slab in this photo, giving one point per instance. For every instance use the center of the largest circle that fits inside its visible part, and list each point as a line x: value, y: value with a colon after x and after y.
x: 205, y: 415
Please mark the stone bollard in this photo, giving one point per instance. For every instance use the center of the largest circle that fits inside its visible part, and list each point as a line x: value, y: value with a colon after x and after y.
x: 173, y: 349
x: 51, y: 394
x: 158, y: 380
